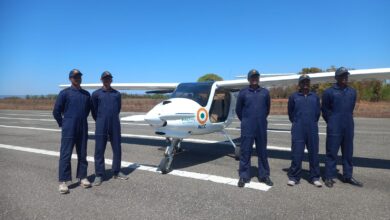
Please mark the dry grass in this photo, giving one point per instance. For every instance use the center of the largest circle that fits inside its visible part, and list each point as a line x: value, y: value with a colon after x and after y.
x: 128, y: 105
x: 139, y: 105
x: 26, y: 104
x: 362, y: 109
x: 278, y: 106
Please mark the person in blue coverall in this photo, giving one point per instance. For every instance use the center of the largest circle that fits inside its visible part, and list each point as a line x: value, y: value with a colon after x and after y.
x: 304, y: 110
x: 106, y: 106
x: 338, y: 103
x: 71, y: 111
x: 252, y: 108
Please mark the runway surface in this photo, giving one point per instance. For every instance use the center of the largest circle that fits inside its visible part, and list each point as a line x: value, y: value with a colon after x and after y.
x: 202, y: 184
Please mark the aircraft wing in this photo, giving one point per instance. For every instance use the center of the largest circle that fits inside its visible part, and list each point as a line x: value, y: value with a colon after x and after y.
x: 285, y: 80
x: 269, y: 81
x: 130, y: 86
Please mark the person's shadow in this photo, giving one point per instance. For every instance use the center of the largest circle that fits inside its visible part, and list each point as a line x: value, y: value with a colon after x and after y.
x: 108, y: 174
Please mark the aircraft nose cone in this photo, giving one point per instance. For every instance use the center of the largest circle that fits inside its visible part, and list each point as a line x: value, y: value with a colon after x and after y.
x: 172, y: 109
x: 154, y: 119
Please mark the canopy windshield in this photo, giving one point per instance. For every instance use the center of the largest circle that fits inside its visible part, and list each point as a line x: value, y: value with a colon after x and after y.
x: 199, y: 92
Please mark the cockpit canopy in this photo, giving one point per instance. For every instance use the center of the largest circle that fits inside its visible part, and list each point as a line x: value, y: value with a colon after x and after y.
x: 199, y: 92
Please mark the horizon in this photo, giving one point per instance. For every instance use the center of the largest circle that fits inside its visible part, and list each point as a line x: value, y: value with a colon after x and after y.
x: 176, y: 41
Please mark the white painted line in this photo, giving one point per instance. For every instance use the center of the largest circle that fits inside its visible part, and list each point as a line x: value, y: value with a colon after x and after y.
x: 30, y: 128
x: 271, y: 130
x: 280, y: 148
x: 140, y: 136
x: 320, y: 126
x: 41, y: 119
x: 192, y: 140
x: 36, y: 119
x: 269, y: 120
x: 51, y: 115
x: 138, y: 124
x: 180, y: 173
x: 27, y: 114
x: 277, y: 122
x: 28, y: 119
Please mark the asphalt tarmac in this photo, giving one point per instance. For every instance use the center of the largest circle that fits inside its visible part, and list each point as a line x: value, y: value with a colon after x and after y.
x: 202, y: 185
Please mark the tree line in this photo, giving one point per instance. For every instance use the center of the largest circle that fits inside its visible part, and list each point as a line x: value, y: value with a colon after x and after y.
x: 368, y: 90
x: 124, y: 95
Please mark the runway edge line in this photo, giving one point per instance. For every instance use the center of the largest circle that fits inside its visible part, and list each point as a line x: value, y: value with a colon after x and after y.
x: 180, y: 173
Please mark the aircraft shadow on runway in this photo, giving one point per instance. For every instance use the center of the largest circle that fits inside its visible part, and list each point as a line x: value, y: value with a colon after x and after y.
x: 192, y: 154
x: 199, y: 153
x: 108, y: 175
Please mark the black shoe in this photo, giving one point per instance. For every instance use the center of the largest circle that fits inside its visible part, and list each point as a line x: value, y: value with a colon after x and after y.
x: 242, y: 181
x: 329, y: 183
x: 353, y: 181
x: 266, y: 180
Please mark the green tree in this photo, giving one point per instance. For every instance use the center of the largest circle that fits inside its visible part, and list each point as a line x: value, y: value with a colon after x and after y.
x: 385, y: 92
x: 307, y: 70
x: 331, y: 69
x: 310, y: 70
x: 210, y: 77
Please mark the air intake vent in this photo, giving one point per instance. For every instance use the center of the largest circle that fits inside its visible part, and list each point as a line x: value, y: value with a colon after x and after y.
x: 166, y: 102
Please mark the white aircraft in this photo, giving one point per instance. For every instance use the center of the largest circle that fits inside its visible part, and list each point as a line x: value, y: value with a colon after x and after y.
x: 207, y: 107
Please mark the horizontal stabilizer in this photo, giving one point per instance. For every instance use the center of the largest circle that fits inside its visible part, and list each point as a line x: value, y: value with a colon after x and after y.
x: 134, y: 118
x: 160, y: 91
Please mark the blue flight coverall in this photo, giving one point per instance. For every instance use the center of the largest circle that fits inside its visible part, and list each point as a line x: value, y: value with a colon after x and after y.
x: 337, y: 110
x: 304, y: 113
x: 71, y: 111
x: 106, y: 106
x: 252, y: 108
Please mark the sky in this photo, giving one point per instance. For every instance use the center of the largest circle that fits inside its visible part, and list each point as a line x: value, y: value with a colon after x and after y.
x: 179, y: 41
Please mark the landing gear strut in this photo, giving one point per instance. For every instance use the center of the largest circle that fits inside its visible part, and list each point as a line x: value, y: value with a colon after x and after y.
x: 166, y: 162
x: 237, y: 149
x: 237, y: 153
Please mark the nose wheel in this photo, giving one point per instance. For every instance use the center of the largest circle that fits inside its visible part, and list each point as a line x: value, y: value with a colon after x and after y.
x: 166, y: 162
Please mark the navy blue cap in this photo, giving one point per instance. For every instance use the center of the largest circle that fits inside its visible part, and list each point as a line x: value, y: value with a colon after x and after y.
x: 106, y: 74
x: 74, y: 72
x: 253, y: 72
x: 303, y: 77
x: 341, y: 71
